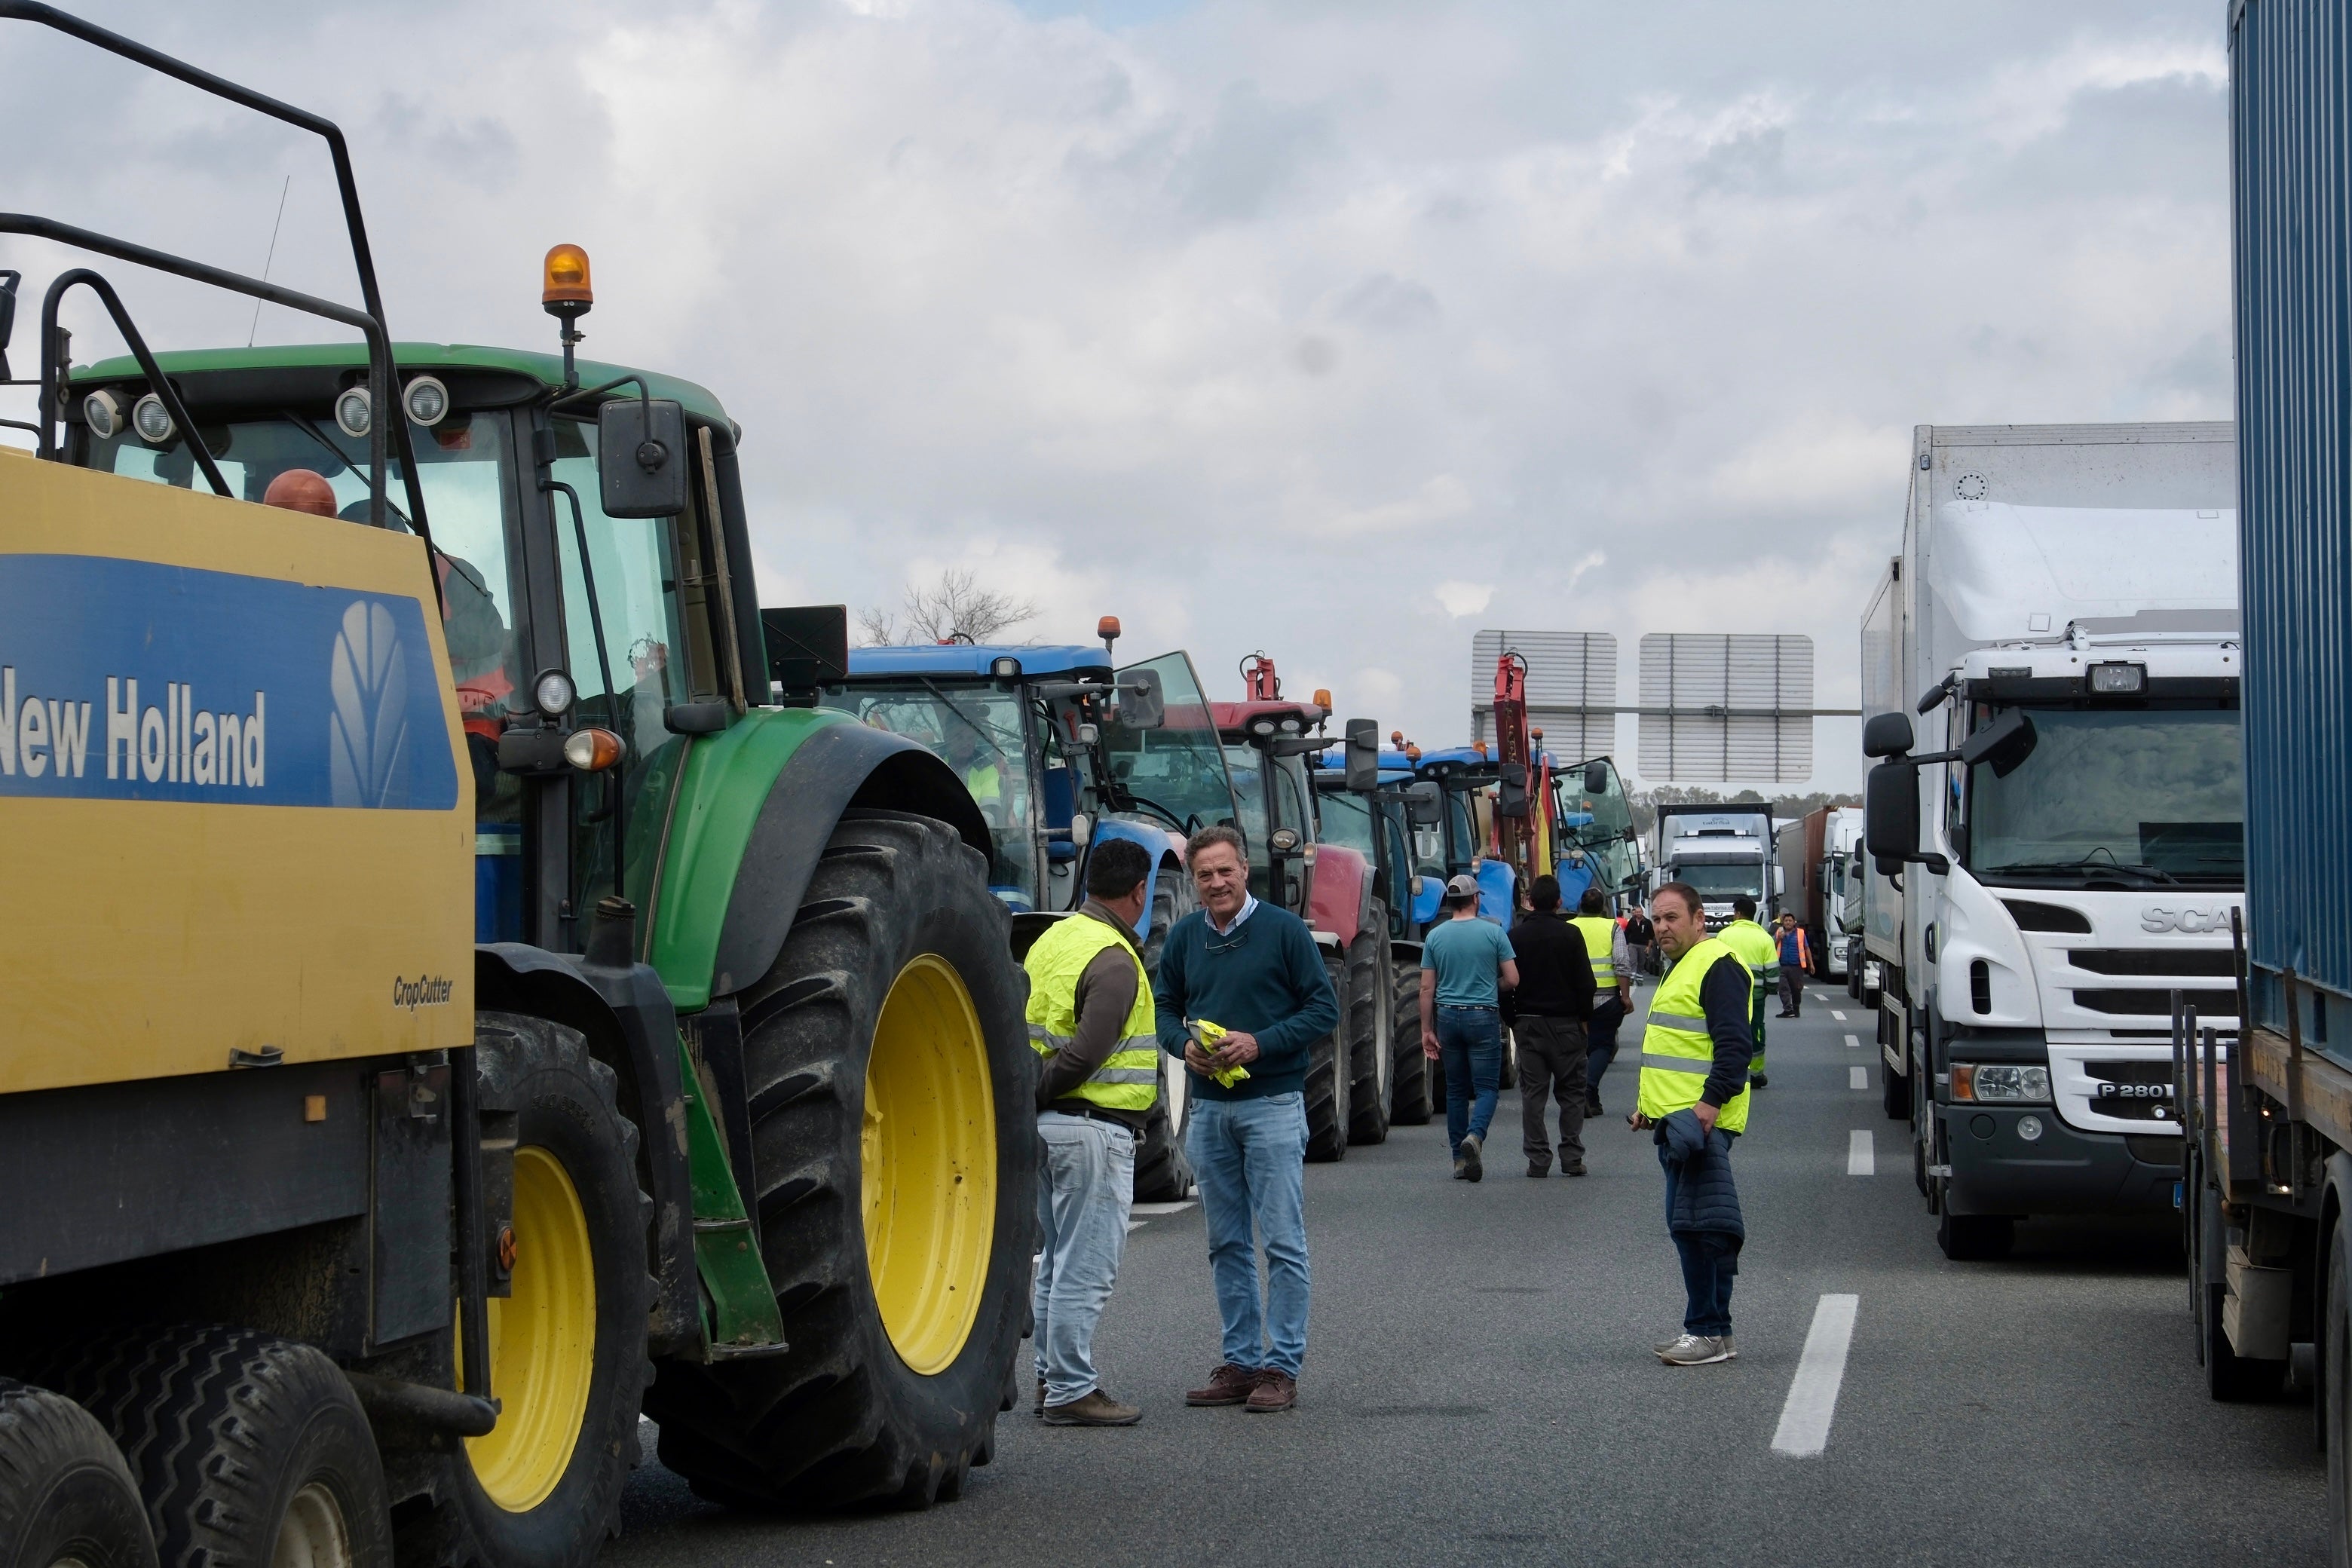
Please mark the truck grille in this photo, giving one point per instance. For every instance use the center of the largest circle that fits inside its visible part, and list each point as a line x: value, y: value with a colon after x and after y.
x: 2158, y: 962
x: 2157, y: 1004
x: 2132, y: 1092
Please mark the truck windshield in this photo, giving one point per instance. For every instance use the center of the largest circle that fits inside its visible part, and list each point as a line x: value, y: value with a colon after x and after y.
x: 1723, y: 879
x: 2142, y: 796
x: 982, y: 733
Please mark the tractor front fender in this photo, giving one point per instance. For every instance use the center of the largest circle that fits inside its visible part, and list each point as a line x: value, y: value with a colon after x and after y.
x: 756, y: 806
x: 1165, y: 850
x: 1339, y: 900
x: 631, y: 1028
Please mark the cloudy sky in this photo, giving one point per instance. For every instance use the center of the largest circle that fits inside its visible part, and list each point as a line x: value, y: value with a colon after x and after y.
x: 1337, y: 328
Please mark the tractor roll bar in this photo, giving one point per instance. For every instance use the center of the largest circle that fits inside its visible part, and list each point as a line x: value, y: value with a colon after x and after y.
x: 155, y: 378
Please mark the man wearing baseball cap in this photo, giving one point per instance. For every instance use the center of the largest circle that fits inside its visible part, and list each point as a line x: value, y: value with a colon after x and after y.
x: 1467, y: 965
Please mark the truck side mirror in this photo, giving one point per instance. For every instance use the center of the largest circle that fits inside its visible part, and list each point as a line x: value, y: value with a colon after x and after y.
x: 1143, y: 702
x: 1363, y: 755
x: 1425, y: 804
x: 1886, y: 735
x: 1890, y: 811
x: 2005, y: 743
x: 1780, y: 880
x: 641, y: 463
x: 1596, y: 778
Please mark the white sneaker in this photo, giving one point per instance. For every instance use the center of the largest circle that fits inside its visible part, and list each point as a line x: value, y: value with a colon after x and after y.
x: 1697, y: 1350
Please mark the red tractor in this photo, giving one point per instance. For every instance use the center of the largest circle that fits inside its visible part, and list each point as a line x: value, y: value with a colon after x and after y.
x: 1268, y: 738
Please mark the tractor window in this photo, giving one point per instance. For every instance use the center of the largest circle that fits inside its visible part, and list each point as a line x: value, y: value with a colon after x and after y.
x: 628, y: 586
x: 1290, y: 797
x: 1249, y: 795
x: 1176, y: 773
x: 982, y: 733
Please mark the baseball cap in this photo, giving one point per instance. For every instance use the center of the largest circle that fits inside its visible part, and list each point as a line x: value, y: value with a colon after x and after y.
x: 1462, y: 886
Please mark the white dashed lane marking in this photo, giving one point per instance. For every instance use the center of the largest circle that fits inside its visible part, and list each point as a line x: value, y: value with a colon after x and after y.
x: 1857, y: 1077
x: 1838, y: 1015
x: 1854, y: 1042
x: 1861, y: 1155
x: 1812, y: 1405
x: 1154, y: 1211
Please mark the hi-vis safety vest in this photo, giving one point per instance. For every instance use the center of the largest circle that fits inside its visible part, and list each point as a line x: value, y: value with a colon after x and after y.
x: 1676, y: 1051
x: 1130, y: 1078
x: 1757, y: 947
x: 1601, y: 940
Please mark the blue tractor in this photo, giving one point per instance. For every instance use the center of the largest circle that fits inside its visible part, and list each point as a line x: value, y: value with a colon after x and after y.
x: 1063, y: 751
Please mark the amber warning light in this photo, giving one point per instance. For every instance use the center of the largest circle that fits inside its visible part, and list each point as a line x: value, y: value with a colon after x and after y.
x: 566, y: 291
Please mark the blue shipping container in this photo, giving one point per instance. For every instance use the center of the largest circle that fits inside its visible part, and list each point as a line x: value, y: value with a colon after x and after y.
x: 2291, y: 147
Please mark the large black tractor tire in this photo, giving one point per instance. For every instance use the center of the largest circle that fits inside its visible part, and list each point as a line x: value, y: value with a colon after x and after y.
x: 66, y: 1495
x: 246, y: 1450
x: 1162, y: 1171
x: 569, y: 1368
x: 1330, y: 1069
x: 892, y: 1026
x: 1411, y: 1103
x: 1366, y: 1009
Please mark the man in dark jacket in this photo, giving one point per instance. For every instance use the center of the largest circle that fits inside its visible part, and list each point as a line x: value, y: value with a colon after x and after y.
x: 1694, y: 1093
x: 1550, y: 1010
x: 1251, y: 971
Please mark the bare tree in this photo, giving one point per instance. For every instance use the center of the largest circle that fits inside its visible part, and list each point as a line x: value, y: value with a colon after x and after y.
x: 954, y: 609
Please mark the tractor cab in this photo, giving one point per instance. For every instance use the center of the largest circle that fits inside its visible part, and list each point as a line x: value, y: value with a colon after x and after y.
x: 1454, y: 823
x: 1267, y: 739
x: 1592, y: 842
x: 1375, y: 824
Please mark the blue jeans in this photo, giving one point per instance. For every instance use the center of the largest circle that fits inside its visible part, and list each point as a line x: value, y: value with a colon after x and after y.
x: 1710, y: 1262
x: 1250, y: 1156
x: 1470, y: 1040
x: 1601, y: 1044
x: 1084, y: 1187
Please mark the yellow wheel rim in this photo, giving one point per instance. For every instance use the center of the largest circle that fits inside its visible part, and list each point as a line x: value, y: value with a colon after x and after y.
x: 927, y: 1151
x: 542, y: 1341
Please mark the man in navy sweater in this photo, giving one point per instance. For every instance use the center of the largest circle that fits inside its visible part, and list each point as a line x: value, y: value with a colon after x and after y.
x: 1253, y: 970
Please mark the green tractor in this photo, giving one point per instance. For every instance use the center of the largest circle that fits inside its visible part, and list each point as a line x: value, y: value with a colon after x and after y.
x: 468, y: 990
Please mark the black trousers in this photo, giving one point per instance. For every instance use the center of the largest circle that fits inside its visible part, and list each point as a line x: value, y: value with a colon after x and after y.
x: 1551, y: 1066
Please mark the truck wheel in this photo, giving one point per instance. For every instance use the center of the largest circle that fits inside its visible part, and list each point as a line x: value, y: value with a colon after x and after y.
x: 66, y: 1495
x: 1162, y: 1173
x: 1364, y: 1013
x: 247, y: 1449
x: 1974, y: 1238
x: 2336, y: 1397
x: 1328, y: 1070
x: 1411, y: 1103
x: 895, y: 1167
x: 543, y: 1489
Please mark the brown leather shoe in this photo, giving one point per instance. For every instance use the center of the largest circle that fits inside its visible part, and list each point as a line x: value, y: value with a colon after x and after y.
x: 1274, y: 1391
x: 1229, y: 1384
x: 1094, y: 1408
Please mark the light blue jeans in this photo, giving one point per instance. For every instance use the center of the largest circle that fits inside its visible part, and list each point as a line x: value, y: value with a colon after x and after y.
x: 1250, y: 1156
x: 1084, y: 1188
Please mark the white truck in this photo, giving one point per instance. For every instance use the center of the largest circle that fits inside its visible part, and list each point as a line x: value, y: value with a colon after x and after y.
x: 2057, y: 850
x: 1723, y: 852
x: 1842, y: 879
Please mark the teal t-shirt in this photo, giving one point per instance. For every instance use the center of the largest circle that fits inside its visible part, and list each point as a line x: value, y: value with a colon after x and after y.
x: 1468, y: 956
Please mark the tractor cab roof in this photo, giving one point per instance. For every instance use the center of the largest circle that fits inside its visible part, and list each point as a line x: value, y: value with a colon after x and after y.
x: 942, y: 661
x: 1237, y: 720
x: 312, y: 373
x: 1330, y: 769
x: 1454, y: 763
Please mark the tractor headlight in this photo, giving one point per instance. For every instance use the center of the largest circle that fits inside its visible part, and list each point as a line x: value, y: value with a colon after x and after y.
x: 554, y: 693
x: 426, y: 401
x: 354, y: 412
x: 102, y: 411
x: 152, y: 421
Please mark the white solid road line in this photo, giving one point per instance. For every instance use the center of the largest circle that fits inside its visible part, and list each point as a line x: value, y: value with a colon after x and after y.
x: 1854, y: 1042
x: 1860, y: 1157
x: 1812, y: 1405
x: 1857, y: 1077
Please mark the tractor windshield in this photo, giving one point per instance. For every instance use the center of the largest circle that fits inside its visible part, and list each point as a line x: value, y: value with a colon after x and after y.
x: 1176, y: 773
x: 983, y: 733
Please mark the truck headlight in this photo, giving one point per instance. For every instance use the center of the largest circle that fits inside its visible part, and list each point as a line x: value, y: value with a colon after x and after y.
x: 2000, y: 1084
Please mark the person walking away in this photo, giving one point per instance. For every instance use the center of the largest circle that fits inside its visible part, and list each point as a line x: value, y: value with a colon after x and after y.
x: 1760, y: 952
x: 1612, y: 981
x: 1694, y: 1098
x: 1466, y: 965
x: 1252, y: 969
x: 1092, y: 1021
x: 1642, y: 939
x: 1549, y: 1014
x: 1796, y: 963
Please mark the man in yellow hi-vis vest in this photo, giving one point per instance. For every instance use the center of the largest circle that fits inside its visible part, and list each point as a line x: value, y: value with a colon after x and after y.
x: 1760, y: 952
x: 1092, y: 1021
x: 1694, y: 1094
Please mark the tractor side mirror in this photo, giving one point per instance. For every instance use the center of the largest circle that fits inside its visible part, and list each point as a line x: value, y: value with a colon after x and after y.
x: 8, y: 281
x: 808, y: 648
x: 1890, y: 813
x: 1596, y: 778
x: 1143, y: 702
x: 1511, y: 790
x: 1363, y: 755
x: 1058, y: 799
x: 1424, y: 805
x: 2004, y: 743
x: 641, y: 463
x: 1886, y: 735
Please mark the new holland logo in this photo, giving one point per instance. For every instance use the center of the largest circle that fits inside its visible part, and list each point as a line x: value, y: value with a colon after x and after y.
x: 369, y: 726
x: 2188, y: 922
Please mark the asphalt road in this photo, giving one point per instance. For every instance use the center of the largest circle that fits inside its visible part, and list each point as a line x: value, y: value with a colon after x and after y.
x: 1479, y: 1388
